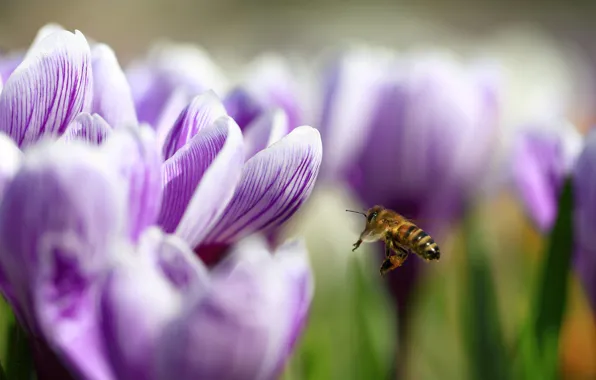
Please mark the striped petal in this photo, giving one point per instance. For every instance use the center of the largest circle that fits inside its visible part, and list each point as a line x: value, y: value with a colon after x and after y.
x: 274, y: 183
x: 112, y: 98
x: 48, y: 89
x: 264, y: 131
x: 200, y: 179
x: 92, y: 129
x: 135, y: 153
x: 200, y: 113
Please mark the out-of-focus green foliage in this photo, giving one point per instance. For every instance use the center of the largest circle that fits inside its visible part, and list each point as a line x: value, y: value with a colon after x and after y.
x: 487, y: 358
x: 539, y: 347
x: 352, y: 329
x: 15, y: 355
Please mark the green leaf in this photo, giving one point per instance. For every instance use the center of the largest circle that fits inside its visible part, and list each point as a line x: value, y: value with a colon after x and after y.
x: 550, y: 297
x: 481, y: 322
x: 16, y: 356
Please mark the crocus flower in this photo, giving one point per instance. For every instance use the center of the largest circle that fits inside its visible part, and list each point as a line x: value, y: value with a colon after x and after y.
x: 199, y: 183
x: 542, y: 158
x: 114, y: 306
x: 411, y: 133
x: 584, y: 181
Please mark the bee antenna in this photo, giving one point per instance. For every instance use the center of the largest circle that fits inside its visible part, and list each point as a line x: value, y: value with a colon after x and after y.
x: 356, y: 212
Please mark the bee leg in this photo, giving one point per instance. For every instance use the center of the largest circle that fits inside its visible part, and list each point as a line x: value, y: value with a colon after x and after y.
x: 387, y: 250
x: 390, y: 263
x: 356, y: 245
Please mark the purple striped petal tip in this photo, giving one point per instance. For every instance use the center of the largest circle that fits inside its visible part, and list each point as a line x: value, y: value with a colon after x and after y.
x: 267, y: 129
x: 240, y: 327
x: 92, y: 129
x: 202, y: 112
x: 199, y: 180
x: 135, y: 154
x: 10, y: 161
x: 48, y: 89
x: 274, y: 184
x: 112, y: 98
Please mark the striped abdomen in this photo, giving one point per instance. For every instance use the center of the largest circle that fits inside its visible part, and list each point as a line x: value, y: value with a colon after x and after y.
x: 418, y: 241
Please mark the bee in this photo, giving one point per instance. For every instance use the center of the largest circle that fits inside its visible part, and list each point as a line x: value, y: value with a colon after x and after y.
x: 400, y: 235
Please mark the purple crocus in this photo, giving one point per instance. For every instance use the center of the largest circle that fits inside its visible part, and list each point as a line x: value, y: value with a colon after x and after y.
x: 412, y: 133
x: 94, y: 211
x: 584, y: 181
x: 542, y: 158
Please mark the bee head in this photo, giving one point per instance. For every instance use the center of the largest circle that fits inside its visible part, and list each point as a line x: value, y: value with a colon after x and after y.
x: 374, y: 228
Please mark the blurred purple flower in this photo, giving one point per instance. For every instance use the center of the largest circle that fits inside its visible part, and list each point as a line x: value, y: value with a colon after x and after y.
x: 584, y: 184
x: 268, y: 83
x: 214, y: 188
x: 412, y: 133
x: 542, y: 158
x: 419, y: 137
x: 167, y: 79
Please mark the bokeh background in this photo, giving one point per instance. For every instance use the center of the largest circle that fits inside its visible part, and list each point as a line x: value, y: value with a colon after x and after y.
x: 356, y: 329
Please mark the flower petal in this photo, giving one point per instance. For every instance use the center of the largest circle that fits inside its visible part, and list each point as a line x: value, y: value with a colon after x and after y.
x: 176, y: 260
x: 170, y: 67
x: 10, y: 160
x: 352, y: 83
x: 89, y: 128
x: 270, y: 79
x: 541, y: 160
x: 112, y: 98
x: 135, y: 153
x: 48, y: 201
x: 242, y: 106
x: 236, y: 329
x: 267, y: 129
x: 137, y: 301
x: 200, y: 179
x: 48, y: 89
x: 201, y: 112
x: 65, y: 296
x: 274, y: 183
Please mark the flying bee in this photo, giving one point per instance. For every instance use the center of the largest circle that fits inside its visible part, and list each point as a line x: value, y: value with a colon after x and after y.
x: 400, y: 235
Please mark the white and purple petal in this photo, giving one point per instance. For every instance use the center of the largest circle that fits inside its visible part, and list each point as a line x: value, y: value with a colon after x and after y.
x: 10, y: 161
x: 265, y: 130
x: 134, y: 151
x: 274, y: 183
x: 92, y: 129
x: 200, y: 179
x: 202, y: 112
x: 48, y: 89
x: 112, y: 98
x: 239, y: 327
x: 137, y: 302
x: 46, y: 205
